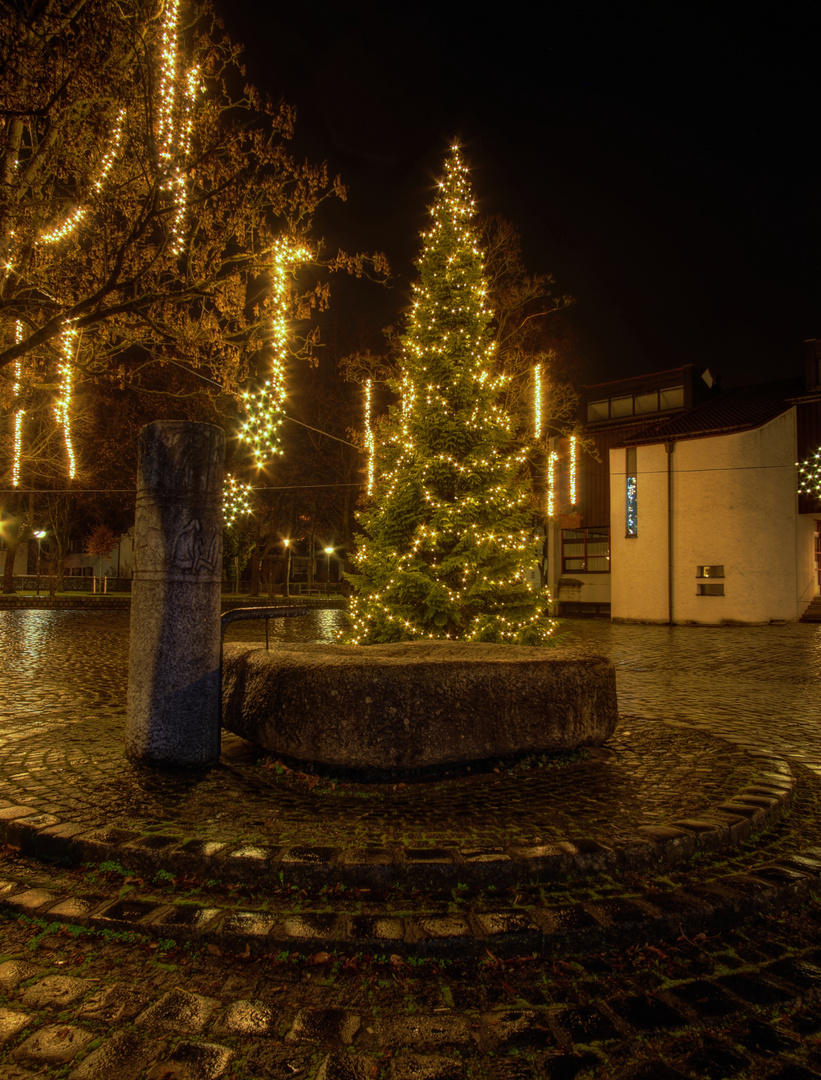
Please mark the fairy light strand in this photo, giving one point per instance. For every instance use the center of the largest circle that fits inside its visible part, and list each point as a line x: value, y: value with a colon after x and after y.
x: 369, y: 439
x: 537, y: 402
x: 236, y: 500
x: 573, y: 469
x: 552, y: 461
x: 18, y: 414
x: 265, y: 404
x: 62, y: 406
x: 809, y: 475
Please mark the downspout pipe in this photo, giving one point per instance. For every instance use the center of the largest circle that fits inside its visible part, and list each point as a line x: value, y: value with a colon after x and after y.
x: 669, y: 447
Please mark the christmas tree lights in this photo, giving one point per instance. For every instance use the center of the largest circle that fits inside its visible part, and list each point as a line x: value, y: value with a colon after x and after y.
x: 448, y: 542
x: 809, y: 475
x: 236, y: 500
x: 265, y: 404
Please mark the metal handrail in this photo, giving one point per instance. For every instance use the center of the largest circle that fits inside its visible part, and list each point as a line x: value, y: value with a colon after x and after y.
x: 266, y: 613
x: 242, y: 615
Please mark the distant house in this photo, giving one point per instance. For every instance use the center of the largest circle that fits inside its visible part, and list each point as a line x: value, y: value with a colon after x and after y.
x: 692, y: 512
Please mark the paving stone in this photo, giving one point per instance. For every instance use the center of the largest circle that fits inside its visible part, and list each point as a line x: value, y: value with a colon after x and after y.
x: 324, y: 1026
x: 56, y: 992
x: 123, y: 1056
x: 420, y: 1030
x: 13, y: 972
x: 705, y: 998
x: 647, y: 1013
x: 800, y: 972
x: 54, y: 1044
x: 794, y: 1072
x: 426, y: 1067
x: 31, y: 899
x: 338, y: 1066
x: 119, y: 1003
x: 247, y: 1018
x: 75, y: 907
x: 193, y: 1061
x: 253, y: 923
x: 755, y: 989
x: 584, y: 1024
x: 716, y: 1062
x: 761, y: 1038
x: 505, y: 1030
x: 654, y: 1070
x: 179, y: 1013
x: 568, y: 1066
x: 12, y: 1023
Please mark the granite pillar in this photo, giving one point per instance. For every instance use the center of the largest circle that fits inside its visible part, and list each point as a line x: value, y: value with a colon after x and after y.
x: 173, y: 678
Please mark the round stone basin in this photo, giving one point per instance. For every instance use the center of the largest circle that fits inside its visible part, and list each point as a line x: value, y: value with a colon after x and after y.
x: 418, y: 705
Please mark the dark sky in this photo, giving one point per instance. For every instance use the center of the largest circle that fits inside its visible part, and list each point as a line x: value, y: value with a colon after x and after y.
x: 660, y: 164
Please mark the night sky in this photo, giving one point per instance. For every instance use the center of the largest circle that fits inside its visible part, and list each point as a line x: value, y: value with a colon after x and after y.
x: 659, y: 164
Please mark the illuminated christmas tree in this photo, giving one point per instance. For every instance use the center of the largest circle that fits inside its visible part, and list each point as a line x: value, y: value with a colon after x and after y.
x: 449, y: 538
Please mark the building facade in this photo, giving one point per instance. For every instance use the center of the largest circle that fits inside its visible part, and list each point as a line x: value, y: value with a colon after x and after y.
x: 687, y: 506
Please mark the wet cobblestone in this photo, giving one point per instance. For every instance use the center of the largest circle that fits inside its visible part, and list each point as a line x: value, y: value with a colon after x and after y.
x: 741, y: 999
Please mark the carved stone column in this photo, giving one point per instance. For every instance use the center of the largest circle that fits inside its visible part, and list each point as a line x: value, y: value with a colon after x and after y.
x: 173, y: 677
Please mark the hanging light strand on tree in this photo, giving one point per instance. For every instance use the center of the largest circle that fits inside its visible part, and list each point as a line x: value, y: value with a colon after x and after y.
x: 537, y: 402
x: 265, y: 404
x: 62, y: 406
x: 573, y: 449
x: 236, y: 500
x: 18, y: 414
x: 369, y: 438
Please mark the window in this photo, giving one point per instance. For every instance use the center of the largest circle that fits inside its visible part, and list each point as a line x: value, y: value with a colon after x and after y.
x: 631, y: 510
x: 598, y: 410
x: 621, y: 406
x: 673, y: 398
x: 651, y: 401
x: 586, y: 551
x: 709, y: 589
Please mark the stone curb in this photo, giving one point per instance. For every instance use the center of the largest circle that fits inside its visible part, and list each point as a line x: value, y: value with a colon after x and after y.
x: 732, y: 822
x: 564, y: 927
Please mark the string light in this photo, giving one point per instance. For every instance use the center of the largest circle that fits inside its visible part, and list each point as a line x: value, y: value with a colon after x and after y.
x: 236, y: 500
x: 265, y: 405
x: 809, y: 475
x: 369, y: 439
x: 552, y: 459
x: 449, y: 538
x: 573, y: 470
x: 18, y: 415
x: 537, y: 402
x: 62, y: 406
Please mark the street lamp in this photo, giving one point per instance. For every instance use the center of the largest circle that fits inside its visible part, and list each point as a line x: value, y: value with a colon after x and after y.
x: 329, y: 552
x: 287, y: 544
x: 39, y: 534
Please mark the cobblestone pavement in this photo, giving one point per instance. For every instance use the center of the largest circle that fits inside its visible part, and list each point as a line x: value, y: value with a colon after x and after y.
x: 706, y: 966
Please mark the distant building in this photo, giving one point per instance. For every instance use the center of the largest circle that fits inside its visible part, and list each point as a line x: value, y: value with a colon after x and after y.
x: 692, y: 512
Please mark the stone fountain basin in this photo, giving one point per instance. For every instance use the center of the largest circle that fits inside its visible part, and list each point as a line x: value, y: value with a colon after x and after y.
x: 416, y: 705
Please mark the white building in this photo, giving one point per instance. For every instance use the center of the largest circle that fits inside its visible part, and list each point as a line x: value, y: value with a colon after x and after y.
x: 693, y: 515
